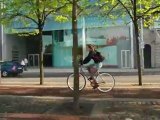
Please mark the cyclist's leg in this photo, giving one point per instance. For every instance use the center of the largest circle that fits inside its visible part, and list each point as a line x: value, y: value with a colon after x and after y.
x: 90, y: 70
x: 97, y: 67
x: 93, y: 70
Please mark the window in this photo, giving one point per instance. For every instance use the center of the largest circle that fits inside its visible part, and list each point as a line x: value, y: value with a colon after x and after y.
x: 125, y: 58
x: 59, y: 35
x: 15, y: 53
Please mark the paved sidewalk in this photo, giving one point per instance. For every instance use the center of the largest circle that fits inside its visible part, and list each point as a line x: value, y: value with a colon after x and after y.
x: 24, y: 99
x: 59, y: 108
x: 42, y: 103
x: 148, y: 81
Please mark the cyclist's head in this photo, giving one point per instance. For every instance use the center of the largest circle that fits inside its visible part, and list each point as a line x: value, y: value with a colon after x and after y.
x: 91, y: 47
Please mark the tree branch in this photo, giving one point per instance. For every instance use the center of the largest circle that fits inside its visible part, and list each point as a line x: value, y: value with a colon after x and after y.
x: 147, y: 11
x: 55, y: 10
x: 126, y: 9
x: 112, y: 8
x: 131, y: 2
x: 21, y: 15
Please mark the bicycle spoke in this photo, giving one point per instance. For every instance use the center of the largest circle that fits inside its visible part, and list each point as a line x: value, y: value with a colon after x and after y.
x: 70, y: 81
x: 105, y: 81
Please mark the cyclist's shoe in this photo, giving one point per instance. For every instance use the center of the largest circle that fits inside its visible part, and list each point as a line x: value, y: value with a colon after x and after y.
x: 95, y: 85
x: 90, y: 78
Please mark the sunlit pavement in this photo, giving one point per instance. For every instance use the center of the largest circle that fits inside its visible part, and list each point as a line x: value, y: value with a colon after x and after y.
x: 24, y: 99
x: 60, y: 108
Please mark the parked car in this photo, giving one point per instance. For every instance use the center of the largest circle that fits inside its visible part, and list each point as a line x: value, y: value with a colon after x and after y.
x: 11, y: 68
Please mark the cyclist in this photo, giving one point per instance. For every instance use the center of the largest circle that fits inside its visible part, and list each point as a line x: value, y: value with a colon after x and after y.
x: 92, y: 68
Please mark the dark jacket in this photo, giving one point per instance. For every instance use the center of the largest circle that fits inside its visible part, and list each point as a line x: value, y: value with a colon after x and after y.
x: 89, y: 57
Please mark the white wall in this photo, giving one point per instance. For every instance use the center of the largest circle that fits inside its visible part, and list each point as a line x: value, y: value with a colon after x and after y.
x: 15, y: 42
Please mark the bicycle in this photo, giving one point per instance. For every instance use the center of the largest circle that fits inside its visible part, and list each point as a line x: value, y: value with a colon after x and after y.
x: 105, y: 80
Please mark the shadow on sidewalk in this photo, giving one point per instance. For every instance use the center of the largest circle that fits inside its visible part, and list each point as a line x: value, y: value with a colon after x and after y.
x: 88, y: 92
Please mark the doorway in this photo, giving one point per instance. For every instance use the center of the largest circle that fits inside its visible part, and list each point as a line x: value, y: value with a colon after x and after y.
x: 147, y: 56
x: 47, y: 58
x: 33, y: 60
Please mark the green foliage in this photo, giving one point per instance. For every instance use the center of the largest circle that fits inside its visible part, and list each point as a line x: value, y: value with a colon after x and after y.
x: 114, y: 9
x: 60, y: 18
x: 31, y: 14
x: 144, y: 9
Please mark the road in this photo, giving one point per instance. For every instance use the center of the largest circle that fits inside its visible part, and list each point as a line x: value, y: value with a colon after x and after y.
x: 63, y: 72
x: 147, y: 80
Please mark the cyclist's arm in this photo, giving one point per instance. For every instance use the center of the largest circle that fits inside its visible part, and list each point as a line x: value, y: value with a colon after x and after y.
x: 88, y: 58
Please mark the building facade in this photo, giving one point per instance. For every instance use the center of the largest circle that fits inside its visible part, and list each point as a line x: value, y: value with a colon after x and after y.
x: 115, y: 41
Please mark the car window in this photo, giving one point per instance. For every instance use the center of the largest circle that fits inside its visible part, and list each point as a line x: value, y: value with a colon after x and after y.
x: 8, y: 63
x: 1, y: 62
x: 16, y: 63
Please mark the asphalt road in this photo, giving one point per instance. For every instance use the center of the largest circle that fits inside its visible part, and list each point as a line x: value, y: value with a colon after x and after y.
x: 61, y: 81
x: 64, y: 72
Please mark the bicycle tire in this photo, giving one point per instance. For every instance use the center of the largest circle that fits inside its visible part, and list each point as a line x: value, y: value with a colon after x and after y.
x: 105, y: 81
x: 70, y: 81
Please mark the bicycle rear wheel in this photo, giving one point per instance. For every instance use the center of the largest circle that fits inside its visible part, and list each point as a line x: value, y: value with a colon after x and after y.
x: 105, y: 81
x: 70, y: 81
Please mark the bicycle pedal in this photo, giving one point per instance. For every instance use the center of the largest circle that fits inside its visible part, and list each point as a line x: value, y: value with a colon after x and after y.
x: 95, y: 86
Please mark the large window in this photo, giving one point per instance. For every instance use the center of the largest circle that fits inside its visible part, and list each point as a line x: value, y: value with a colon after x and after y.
x: 47, y: 49
x: 47, y: 43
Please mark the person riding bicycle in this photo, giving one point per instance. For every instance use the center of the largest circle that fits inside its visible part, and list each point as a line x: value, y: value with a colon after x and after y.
x: 93, y: 68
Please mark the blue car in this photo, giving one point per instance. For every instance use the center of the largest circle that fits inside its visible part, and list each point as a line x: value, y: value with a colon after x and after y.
x: 11, y: 68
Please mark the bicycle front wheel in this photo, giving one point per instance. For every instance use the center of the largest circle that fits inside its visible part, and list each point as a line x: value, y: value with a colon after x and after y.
x: 105, y: 81
x: 70, y: 81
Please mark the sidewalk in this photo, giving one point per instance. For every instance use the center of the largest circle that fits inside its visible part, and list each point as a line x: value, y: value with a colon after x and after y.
x: 37, y: 102
x: 24, y: 99
x: 59, y: 108
x: 148, y: 81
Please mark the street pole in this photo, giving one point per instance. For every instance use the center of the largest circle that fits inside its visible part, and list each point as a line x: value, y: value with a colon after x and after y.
x: 2, y: 38
x: 1, y: 44
x: 83, y: 38
x: 132, y: 44
x: 142, y: 42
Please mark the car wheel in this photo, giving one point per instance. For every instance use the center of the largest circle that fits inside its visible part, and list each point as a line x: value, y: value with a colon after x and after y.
x: 4, y: 74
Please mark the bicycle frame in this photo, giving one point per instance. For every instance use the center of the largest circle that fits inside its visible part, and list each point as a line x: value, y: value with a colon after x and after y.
x: 84, y: 73
x: 105, y: 81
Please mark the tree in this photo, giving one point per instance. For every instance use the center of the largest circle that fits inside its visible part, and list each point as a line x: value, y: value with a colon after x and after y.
x: 37, y: 12
x: 75, y: 55
x: 136, y: 10
x: 78, y: 8
x: 32, y: 14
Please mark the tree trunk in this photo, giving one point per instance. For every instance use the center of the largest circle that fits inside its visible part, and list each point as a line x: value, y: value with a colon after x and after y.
x: 41, y: 58
x: 75, y: 55
x: 138, y: 56
x: 135, y: 22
